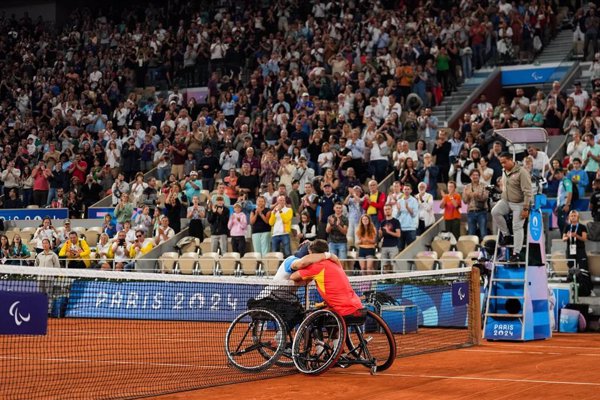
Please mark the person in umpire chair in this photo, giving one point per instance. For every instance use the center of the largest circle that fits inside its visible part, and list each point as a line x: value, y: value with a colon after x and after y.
x: 515, y: 199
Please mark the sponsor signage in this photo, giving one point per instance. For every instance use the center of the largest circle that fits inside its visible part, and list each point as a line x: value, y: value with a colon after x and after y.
x: 23, y: 313
x: 460, y: 294
x: 182, y: 301
x: 532, y: 76
x: 13, y: 214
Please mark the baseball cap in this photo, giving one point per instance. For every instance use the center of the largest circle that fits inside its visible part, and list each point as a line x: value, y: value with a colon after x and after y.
x: 304, y: 94
x: 193, y: 173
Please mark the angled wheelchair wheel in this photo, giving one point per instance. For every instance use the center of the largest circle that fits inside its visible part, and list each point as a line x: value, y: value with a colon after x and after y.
x: 255, y: 340
x: 318, y: 342
x: 372, y: 340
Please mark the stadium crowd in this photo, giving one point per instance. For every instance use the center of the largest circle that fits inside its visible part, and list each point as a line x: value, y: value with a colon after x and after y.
x: 309, y: 106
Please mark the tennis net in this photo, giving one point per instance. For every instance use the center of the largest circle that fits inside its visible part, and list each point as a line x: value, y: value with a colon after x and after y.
x: 126, y: 335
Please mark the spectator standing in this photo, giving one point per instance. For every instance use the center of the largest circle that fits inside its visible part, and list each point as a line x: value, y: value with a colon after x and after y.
x: 218, y: 217
x: 591, y: 157
x: 426, y: 216
x: 208, y: 165
x: 196, y: 213
x: 373, y: 204
x: 11, y: 177
x: 46, y: 258
x: 366, y: 240
x: 163, y: 231
x: 337, y: 229
x: 326, y: 205
x: 564, y: 200
x: 281, y: 222
x: 261, y: 229
x: 174, y: 207
x: 123, y: 211
x: 475, y: 196
x: 238, y: 226
x: 390, y: 234
x: 575, y: 234
x: 408, y: 215
x: 41, y: 186
x: 451, y: 203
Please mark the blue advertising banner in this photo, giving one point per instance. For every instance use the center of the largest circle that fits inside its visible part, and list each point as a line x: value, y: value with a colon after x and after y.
x: 532, y: 76
x: 12, y: 214
x: 182, y: 301
x: 503, y: 329
x: 23, y: 313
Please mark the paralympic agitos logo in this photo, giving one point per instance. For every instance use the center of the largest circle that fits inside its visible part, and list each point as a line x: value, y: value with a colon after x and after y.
x: 16, y: 314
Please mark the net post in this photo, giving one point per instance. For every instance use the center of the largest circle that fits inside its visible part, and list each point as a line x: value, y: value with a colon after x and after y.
x: 475, y: 307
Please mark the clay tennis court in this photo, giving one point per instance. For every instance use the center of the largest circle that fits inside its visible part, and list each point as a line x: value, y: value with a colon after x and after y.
x: 564, y: 367
x: 100, y: 358
x: 112, y: 358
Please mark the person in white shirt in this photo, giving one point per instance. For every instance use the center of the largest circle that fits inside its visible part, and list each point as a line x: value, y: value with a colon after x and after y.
x: 119, y: 251
x: 228, y: 159
x: 374, y: 111
x: 580, y: 97
x: 520, y: 104
x: 426, y: 215
x: 575, y: 148
x: 164, y: 232
x: 541, y: 163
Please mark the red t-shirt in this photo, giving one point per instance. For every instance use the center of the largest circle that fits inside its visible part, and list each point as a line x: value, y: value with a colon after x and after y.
x: 333, y: 286
x: 79, y: 173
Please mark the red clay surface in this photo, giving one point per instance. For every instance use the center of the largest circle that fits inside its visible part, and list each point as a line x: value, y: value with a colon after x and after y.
x: 116, y: 359
x: 564, y: 367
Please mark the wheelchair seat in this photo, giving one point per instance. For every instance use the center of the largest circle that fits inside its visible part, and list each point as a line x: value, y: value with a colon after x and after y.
x: 357, y: 318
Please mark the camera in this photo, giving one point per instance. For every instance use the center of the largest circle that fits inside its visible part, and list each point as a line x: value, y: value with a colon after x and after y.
x: 121, y: 242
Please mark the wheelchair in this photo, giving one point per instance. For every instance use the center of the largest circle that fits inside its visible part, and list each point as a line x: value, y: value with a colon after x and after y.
x: 259, y: 338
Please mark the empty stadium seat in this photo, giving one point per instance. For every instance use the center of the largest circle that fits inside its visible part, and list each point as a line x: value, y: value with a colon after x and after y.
x: 91, y: 237
x: 188, y: 263
x: 270, y: 263
x: 229, y: 263
x: 471, y: 258
x: 80, y: 231
x: 208, y: 263
x: 206, y: 246
x: 594, y: 265
x: 560, y: 266
x: 451, y: 259
x: 440, y: 246
x: 489, y: 237
x: 167, y: 262
x: 249, y: 263
x: 425, y: 260
x: 467, y: 243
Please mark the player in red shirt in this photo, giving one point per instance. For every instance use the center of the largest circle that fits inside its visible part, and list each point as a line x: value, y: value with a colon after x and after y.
x: 332, y: 283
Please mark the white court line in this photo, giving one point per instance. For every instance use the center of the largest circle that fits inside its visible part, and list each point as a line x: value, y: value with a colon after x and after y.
x: 113, y: 362
x: 509, y: 351
x: 475, y: 378
x: 548, y: 346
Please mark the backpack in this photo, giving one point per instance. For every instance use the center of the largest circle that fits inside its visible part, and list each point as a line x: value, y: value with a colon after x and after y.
x: 593, y: 229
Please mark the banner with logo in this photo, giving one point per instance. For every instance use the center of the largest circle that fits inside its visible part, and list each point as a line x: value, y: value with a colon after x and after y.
x: 23, y: 313
x: 182, y: 301
x: 11, y: 214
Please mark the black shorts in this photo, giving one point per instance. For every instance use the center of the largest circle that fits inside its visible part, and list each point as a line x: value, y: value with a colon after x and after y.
x: 362, y: 252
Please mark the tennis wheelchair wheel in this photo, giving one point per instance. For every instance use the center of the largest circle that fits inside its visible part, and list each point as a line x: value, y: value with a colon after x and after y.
x: 255, y: 340
x: 372, y: 341
x: 285, y: 360
x: 319, y: 341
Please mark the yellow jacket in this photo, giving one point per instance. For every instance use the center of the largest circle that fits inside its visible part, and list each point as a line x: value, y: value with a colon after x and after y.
x: 133, y: 253
x: 84, y: 255
x: 286, y: 218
